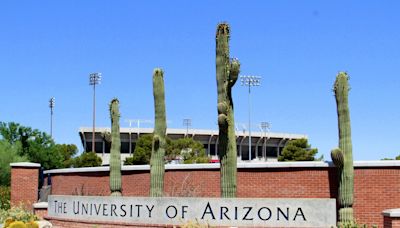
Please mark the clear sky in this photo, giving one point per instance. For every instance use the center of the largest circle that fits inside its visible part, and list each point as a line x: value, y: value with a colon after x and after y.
x: 48, y: 48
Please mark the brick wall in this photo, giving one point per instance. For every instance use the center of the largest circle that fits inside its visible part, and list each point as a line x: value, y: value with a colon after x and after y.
x: 24, y: 183
x: 376, y: 184
x: 375, y: 190
x: 391, y: 218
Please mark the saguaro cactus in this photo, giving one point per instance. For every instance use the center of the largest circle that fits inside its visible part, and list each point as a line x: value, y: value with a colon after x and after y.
x: 157, y: 169
x: 115, y: 155
x: 227, y: 74
x: 342, y: 157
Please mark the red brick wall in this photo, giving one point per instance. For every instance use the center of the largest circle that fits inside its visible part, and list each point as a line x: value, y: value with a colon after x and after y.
x: 391, y: 222
x: 376, y: 188
x: 24, y: 185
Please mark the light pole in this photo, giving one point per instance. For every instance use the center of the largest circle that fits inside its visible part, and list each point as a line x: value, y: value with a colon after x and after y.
x: 94, y: 79
x: 187, y: 123
x: 250, y: 81
x: 52, y: 103
x: 265, y: 126
x: 138, y: 121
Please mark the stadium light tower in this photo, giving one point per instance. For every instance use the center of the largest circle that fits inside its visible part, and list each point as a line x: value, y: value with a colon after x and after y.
x: 94, y: 79
x: 52, y: 103
x: 250, y: 81
x: 187, y: 123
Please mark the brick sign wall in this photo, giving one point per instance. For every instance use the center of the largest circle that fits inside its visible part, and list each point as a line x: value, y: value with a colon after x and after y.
x: 377, y: 184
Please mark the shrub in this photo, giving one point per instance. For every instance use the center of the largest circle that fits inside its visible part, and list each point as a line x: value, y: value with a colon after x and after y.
x: 87, y: 159
x: 8, y: 154
x: 5, y: 197
x: 20, y: 224
x: 298, y: 150
x: 354, y: 225
x: 194, y: 224
x: 19, y: 213
x: 17, y: 224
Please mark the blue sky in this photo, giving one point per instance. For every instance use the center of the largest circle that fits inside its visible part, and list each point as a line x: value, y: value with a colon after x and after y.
x: 48, y: 48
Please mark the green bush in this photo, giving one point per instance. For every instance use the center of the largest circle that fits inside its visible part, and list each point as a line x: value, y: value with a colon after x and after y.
x: 19, y: 213
x: 298, y: 150
x: 87, y: 159
x: 354, y: 225
x: 8, y: 154
x: 5, y: 197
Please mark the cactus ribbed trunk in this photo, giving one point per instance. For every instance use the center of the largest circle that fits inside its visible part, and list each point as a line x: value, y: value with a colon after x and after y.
x: 157, y: 169
x: 115, y: 155
x: 343, y: 157
x: 227, y: 73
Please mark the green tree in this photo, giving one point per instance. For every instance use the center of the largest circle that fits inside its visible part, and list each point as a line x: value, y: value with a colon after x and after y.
x: 14, y: 132
x: 190, y: 150
x: 67, y: 151
x: 37, y: 146
x: 142, y: 152
x: 8, y: 154
x: 298, y: 150
x: 87, y: 159
x: 398, y: 157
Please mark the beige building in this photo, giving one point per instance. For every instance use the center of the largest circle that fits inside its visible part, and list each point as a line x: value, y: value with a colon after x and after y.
x: 265, y: 146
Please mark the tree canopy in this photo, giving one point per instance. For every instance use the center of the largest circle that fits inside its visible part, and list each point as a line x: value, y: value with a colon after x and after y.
x: 298, y: 150
x: 142, y: 152
x: 37, y: 146
x: 87, y: 159
x: 8, y: 154
x: 190, y: 150
x: 186, y: 149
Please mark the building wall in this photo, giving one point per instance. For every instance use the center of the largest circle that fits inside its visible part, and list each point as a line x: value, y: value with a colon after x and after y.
x: 377, y: 187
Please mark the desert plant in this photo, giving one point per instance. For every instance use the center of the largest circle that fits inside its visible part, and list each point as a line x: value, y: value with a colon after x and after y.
x: 227, y: 74
x: 194, y: 224
x: 354, y: 224
x: 17, y: 224
x: 32, y: 224
x: 115, y: 154
x: 5, y: 197
x: 186, y: 187
x: 342, y: 157
x: 157, y: 168
x: 17, y: 213
x: 83, y: 191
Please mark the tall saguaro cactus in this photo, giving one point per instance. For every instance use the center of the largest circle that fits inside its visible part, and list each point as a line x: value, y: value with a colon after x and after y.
x: 342, y: 157
x: 157, y: 169
x: 115, y: 156
x: 227, y: 73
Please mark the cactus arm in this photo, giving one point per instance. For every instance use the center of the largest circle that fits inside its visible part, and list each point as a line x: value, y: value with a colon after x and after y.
x: 337, y: 158
x: 346, y: 171
x: 115, y: 155
x: 227, y: 73
x: 157, y: 168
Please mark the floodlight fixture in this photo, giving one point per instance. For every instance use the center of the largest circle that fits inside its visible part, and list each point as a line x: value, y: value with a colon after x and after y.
x: 249, y: 81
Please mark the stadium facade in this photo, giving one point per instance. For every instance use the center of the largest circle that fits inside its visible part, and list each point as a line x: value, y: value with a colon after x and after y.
x: 265, y: 146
